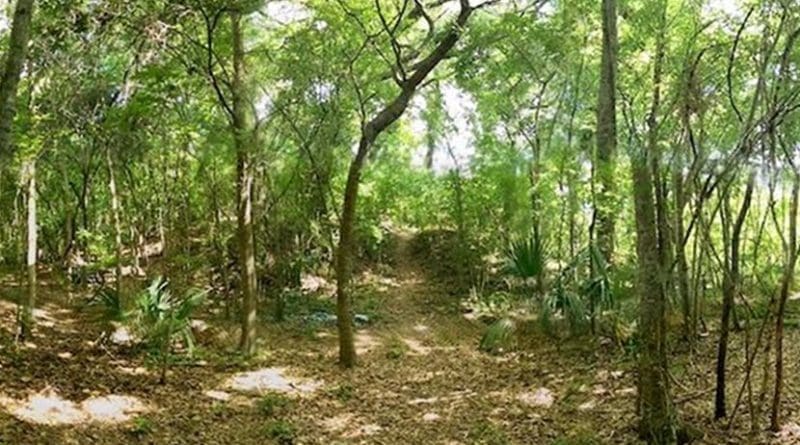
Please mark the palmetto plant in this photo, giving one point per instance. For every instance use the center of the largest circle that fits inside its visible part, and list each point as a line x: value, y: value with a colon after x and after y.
x: 162, y: 318
x: 581, y: 290
x: 108, y: 301
x: 526, y: 259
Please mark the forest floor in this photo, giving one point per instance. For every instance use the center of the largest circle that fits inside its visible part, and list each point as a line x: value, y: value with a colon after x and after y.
x: 420, y: 380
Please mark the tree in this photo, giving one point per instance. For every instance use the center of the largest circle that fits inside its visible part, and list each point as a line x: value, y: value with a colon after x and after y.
x: 244, y: 132
x: 656, y: 410
x: 408, y: 80
x: 607, y: 131
x: 14, y: 61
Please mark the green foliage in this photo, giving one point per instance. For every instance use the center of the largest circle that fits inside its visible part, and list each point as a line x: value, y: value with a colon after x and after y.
x: 396, y: 348
x: 488, y: 305
x: 499, y: 337
x: 526, y: 258
x: 272, y: 404
x: 487, y: 433
x: 344, y: 392
x: 161, y: 318
x: 109, y: 303
x: 281, y: 431
x: 141, y: 426
x: 582, y: 290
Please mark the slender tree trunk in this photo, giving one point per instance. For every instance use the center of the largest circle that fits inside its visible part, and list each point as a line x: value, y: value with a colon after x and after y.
x: 682, y: 275
x: 730, y: 289
x: 244, y: 130
x: 14, y: 60
x: 607, y: 132
x: 786, y: 283
x: 26, y: 319
x: 115, y: 215
x: 656, y: 409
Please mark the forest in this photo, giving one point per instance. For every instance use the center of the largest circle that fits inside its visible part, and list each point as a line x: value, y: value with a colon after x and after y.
x: 561, y: 222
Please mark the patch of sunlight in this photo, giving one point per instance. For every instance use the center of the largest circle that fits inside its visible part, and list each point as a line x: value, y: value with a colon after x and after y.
x: 221, y: 396
x: 587, y: 406
x: 338, y: 423
x: 542, y: 397
x: 423, y: 401
x: 364, y: 430
x: 48, y: 408
x: 415, y: 347
x: 271, y: 379
x: 626, y: 391
x: 365, y: 342
x: 138, y: 370
x: 122, y: 336
x: 431, y: 417
x: 422, y: 377
x: 421, y: 328
x: 64, y: 355
x: 789, y: 433
x: 112, y: 408
x: 314, y: 283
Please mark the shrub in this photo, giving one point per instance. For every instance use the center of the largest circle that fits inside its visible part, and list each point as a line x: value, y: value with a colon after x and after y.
x: 272, y: 403
x: 161, y: 319
x: 280, y: 431
x: 499, y: 337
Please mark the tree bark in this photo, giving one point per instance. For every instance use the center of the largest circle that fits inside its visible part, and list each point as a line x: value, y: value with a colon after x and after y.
x: 730, y: 289
x: 15, y: 58
x: 656, y: 409
x: 243, y: 135
x: 786, y: 283
x: 607, y: 132
x: 26, y: 319
x: 115, y: 215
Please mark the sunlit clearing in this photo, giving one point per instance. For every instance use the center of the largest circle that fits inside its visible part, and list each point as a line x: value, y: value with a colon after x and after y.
x: 271, y: 379
x: 48, y: 408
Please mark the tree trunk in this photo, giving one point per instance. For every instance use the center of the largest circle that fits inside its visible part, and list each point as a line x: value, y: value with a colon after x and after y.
x: 607, y: 132
x: 656, y: 410
x: 786, y: 283
x: 244, y: 130
x: 730, y: 289
x: 26, y: 319
x: 115, y: 215
x: 682, y: 272
x: 15, y: 58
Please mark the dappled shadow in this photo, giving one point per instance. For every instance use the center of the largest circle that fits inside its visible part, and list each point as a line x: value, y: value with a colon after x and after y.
x: 49, y: 408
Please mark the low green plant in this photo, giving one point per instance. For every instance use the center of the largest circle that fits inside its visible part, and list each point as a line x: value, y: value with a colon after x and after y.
x: 141, y: 426
x: 486, y: 433
x: 272, y: 403
x: 109, y: 304
x: 499, y: 337
x: 396, y: 348
x: 526, y: 259
x: 280, y: 431
x: 343, y: 392
x: 162, y: 318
